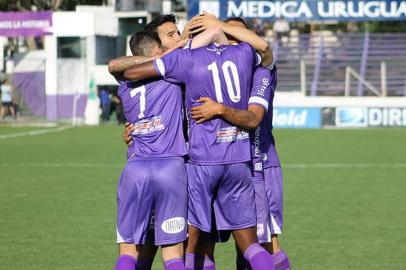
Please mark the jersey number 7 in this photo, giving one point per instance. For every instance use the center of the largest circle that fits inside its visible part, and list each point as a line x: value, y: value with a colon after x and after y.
x: 140, y: 90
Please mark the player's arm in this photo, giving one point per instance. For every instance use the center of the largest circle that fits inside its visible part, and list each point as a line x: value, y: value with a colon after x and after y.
x: 213, y: 34
x: 210, y: 35
x: 186, y: 33
x: 118, y: 65
x: 200, y: 23
x: 173, y: 67
x: 140, y: 71
x: 247, y: 119
x: 128, y: 129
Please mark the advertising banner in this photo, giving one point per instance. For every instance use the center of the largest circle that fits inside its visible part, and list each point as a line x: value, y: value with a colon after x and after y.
x: 298, y: 10
x: 370, y: 117
x: 13, y: 24
x: 296, y: 118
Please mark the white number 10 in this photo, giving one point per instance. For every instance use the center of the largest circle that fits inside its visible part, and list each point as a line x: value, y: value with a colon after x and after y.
x: 141, y: 90
x: 234, y: 94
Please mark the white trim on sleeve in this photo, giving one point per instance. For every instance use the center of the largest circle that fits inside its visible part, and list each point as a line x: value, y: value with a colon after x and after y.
x: 259, y: 59
x: 259, y: 100
x: 161, y: 66
x: 271, y: 66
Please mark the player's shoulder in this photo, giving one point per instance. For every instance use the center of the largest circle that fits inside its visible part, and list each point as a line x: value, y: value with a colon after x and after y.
x: 123, y: 86
x: 261, y: 71
x: 245, y: 46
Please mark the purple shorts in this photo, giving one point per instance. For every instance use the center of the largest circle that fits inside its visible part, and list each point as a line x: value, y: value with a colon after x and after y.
x: 274, y: 191
x: 158, y: 185
x: 228, y: 189
x: 262, y: 215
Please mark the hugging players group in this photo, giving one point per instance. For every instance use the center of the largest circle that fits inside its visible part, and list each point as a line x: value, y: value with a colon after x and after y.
x: 187, y: 186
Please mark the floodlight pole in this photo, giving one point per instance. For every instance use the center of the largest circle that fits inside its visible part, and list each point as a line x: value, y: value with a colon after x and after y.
x: 347, y: 81
x: 303, y: 77
x: 384, y: 85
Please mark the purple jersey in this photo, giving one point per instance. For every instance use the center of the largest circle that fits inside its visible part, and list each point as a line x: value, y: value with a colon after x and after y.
x: 261, y: 92
x: 155, y: 109
x: 270, y: 156
x: 224, y: 74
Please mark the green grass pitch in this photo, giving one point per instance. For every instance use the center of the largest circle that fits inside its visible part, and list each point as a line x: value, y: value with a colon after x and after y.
x: 345, y: 205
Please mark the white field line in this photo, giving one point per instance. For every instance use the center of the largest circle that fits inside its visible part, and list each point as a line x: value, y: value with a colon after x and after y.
x: 62, y: 165
x: 286, y: 166
x: 345, y: 166
x: 33, y: 133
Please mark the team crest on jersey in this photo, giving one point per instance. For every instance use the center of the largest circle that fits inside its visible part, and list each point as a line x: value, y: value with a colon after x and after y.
x: 147, y: 126
x: 231, y: 134
x: 217, y: 50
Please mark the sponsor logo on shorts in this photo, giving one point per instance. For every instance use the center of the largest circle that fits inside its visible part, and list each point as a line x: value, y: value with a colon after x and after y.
x: 173, y: 225
x: 258, y: 166
x: 231, y: 134
x: 260, y: 229
x: 147, y: 126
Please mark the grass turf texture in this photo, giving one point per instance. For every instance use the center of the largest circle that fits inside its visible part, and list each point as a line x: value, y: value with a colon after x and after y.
x: 57, y: 199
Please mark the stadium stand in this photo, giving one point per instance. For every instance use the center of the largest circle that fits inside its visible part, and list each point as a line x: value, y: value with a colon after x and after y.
x: 326, y: 56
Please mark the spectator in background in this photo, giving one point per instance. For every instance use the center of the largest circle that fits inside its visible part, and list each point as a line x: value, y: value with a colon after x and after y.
x: 6, y: 99
x: 119, y: 109
x: 258, y: 27
x: 16, y: 97
x: 281, y: 28
x: 352, y: 27
x: 105, y: 103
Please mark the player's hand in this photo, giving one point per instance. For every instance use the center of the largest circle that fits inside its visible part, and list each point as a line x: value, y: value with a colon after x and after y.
x: 128, y: 129
x: 186, y: 31
x: 207, y: 111
x: 182, y: 42
x: 203, y: 22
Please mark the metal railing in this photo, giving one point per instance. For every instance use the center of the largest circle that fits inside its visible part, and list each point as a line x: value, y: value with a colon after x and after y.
x: 384, y: 89
x: 323, y: 64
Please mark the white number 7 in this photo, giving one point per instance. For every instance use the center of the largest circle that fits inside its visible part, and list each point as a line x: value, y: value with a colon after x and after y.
x: 141, y: 90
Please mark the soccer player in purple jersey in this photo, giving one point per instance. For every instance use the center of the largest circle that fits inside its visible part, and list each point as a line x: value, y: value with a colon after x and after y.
x: 165, y: 27
x: 219, y: 152
x: 247, y: 35
x: 263, y: 136
x: 147, y: 252
x: 155, y: 177
x: 169, y: 36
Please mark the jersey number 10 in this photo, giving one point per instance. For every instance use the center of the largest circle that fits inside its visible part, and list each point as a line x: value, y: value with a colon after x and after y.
x: 234, y: 94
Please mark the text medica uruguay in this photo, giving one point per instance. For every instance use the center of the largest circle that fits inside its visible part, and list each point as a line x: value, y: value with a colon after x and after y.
x: 322, y: 9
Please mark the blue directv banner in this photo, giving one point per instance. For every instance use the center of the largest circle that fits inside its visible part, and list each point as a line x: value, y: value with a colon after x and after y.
x: 370, y: 117
x: 296, y: 118
x: 302, y: 10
